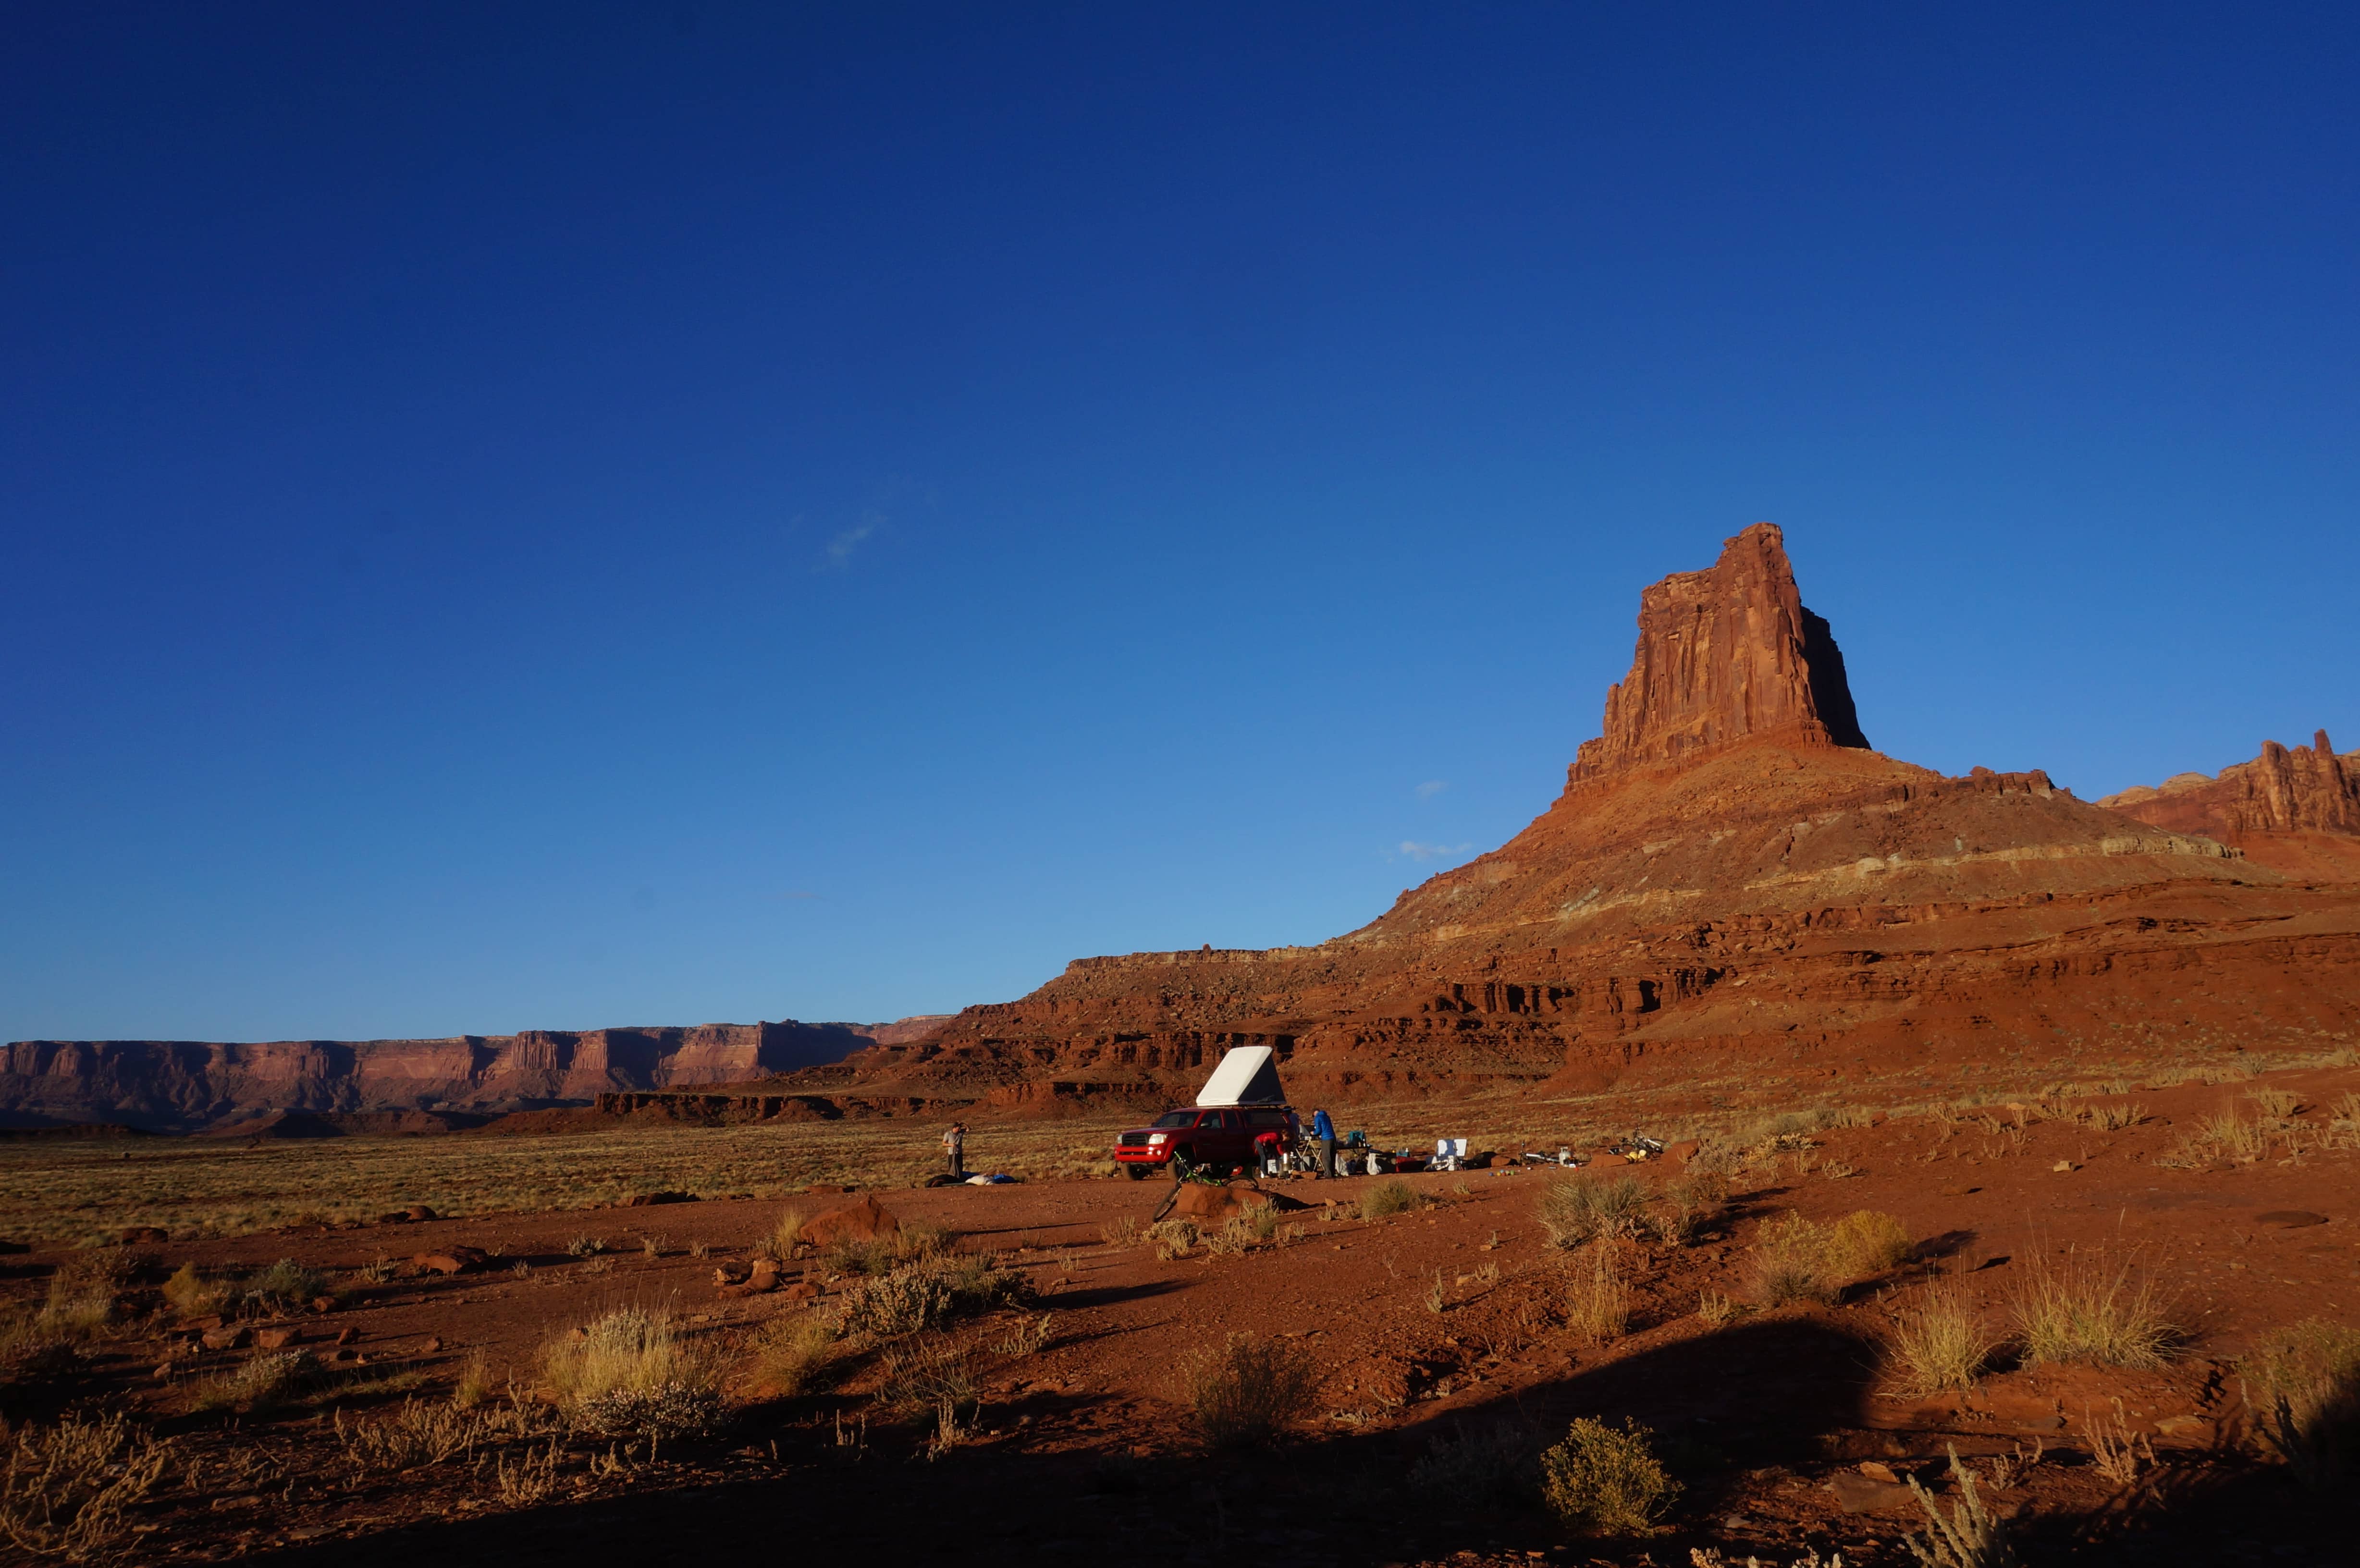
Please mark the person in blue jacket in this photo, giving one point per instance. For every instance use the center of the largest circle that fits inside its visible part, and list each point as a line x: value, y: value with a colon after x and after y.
x: 1324, y: 1132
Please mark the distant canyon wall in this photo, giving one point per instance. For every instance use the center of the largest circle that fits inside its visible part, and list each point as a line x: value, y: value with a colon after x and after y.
x: 179, y: 1086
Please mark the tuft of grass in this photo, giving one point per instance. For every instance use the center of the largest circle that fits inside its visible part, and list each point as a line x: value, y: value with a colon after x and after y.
x: 1939, y: 1341
x: 2082, y: 1310
x: 1971, y: 1536
x: 1389, y: 1198
x: 418, y: 1432
x: 929, y: 1373
x: 81, y: 1297
x: 1250, y: 1392
x: 1600, y: 1481
x: 1033, y: 1333
x: 2304, y: 1383
x: 2113, y: 1118
x: 2276, y: 1103
x: 1122, y: 1232
x: 1867, y: 1242
x: 796, y: 1354
x: 585, y: 1247
x: 284, y: 1287
x: 1578, y: 1210
x: 475, y: 1384
x: 1714, y: 1310
x: 263, y: 1381
x: 629, y: 1370
x: 1495, y: 1464
x: 1791, y: 1262
x: 72, y: 1490
x: 190, y: 1294
x: 1437, y: 1295
x: 1172, y: 1237
x: 1597, y: 1301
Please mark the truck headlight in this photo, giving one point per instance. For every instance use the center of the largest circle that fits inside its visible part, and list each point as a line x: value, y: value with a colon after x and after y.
x: 1157, y: 1136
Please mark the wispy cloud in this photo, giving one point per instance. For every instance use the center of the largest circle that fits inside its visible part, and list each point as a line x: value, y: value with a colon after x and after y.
x: 840, y: 548
x: 1430, y: 788
x: 1410, y: 849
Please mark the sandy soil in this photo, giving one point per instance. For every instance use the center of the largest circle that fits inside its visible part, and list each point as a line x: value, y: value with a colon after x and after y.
x: 1083, y: 1449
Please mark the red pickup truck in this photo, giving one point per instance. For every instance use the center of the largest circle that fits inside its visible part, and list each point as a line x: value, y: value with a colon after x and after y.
x: 1201, y: 1136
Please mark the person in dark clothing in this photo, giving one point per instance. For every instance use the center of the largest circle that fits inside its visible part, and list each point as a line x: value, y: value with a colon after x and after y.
x: 1324, y: 1132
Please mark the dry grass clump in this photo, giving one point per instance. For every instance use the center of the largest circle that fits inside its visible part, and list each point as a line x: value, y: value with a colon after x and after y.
x: 2304, y: 1383
x: 897, y: 1248
x: 783, y: 1238
x: 1495, y: 1466
x: 1687, y: 1204
x: 931, y: 1373
x: 1389, y: 1198
x: 1604, y: 1482
x: 795, y: 1355
x: 1578, y: 1210
x: 630, y: 1371
x: 68, y: 1490
x: 1247, y: 1393
x: 1172, y: 1237
x: 192, y: 1295
x: 2275, y: 1102
x: 1939, y: 1341
x: 1714, y: 1310
x: 81, y: 1296
x: 907, y: 1300
x: 418, y: 1432
x: 1866, y: 1242
x: 2226, y: 1134
x: 1791, y: 1262
x: 262, y: 1382
x: 1597, y: 1301
x: 1972, y: 1536
x: 2112, y: 1118
x: 285, y: 1286
x: 2082, y: 1310
x: 1121, y: 1232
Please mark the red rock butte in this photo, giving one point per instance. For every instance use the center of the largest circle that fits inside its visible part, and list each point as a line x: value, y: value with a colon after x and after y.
x: 1733, y: 876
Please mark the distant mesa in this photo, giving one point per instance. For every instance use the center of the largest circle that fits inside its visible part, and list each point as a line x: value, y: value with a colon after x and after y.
x: 2293, y: 808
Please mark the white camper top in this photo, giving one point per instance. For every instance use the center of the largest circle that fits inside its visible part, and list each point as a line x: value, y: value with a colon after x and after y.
x: 1247, y: 1076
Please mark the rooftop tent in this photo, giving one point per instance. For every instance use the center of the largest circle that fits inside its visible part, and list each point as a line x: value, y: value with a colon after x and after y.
x: 1248, y: 1075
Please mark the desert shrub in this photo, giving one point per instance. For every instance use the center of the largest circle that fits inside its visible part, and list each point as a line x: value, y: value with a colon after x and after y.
x: 81, y: 1296
x: 285, y: 1286
x: 260, y: 1383
x: 2304, y: 1383
x: 795, y: 1355
x: 1791, y: 1262
x: 1714, y: 1310
x: 1604, y: 1482
x: 2278, y: 1103
x: 1248, y: 1392
x: 783, y: 1238
x: 1866, y: 1242
x: 1687, y: 1204
x: 586, y: 1245
x: 1033, y: 1333
x: 629, y: 1371
x: 888, y: 1305
x: 1172, y: 1237
x: 1578, y: 1210
x: 2082, y: 1310
x: 1597, y: 1301
x: 929, y: 1373
x: 1122, y: 1232
x: 475, y: 1384
x: 1972, y: 1536
x: 1236, y: 1236
x: 980, y: 1284
x: 1389, y: 1198
x: 2114, y: 1119
x: 418, y: 1432
x: 69, y: 1490
x: 1939, y: 1341
x: 190, y: 1294
x: 1495, y: 1464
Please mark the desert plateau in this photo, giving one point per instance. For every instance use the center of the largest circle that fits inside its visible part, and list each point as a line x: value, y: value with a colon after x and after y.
x: 1859, y: 1165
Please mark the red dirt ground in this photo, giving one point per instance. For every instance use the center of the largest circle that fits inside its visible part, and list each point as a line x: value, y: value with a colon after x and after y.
x: 1084, y: 1451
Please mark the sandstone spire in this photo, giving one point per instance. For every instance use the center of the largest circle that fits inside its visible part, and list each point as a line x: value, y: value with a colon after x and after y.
x: 1722, y: 654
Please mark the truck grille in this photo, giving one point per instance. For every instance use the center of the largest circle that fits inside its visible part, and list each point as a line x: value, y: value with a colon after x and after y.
x: 1131, y: 1139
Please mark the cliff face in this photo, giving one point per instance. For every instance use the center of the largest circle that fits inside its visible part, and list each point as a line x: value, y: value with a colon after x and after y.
x: 181, y: 1084
x: 1723, y: 654
x: 2305, y: 789
x: 1731, y: 882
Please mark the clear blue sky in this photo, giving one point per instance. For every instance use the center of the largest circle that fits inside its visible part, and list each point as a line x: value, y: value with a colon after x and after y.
x: 651, y: 513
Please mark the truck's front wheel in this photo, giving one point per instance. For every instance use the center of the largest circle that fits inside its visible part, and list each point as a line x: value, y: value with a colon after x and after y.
x: 1135, y: 1170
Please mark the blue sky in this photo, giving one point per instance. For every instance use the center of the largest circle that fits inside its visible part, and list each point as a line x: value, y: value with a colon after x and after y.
x: 628, y: 514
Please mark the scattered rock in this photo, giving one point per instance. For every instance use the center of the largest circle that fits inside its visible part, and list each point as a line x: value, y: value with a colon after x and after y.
x: 1860, y: 1494
x: 276, y: 1338
x: 2191, y: 1427
x: 649, y: 1200
x: 324, y: 1303
x: 764, y: 1279
x: 1683, y: 1151
x: 2290, y: 1219
x: 420, y: 1211
x: 229, y: 1337
x: 864, y: 1221
x: 456, y: 1260
x: 1211, y: 1205
x: 348, y: 1336
x: 801, y: 1290
x: 2063, y: 1165
x: 1877, y: 1470
x: 144, y: 1236
x: 433, y: 1346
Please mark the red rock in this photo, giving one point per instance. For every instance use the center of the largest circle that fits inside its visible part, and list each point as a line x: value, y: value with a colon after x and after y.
x: 453, y: 1261
x: 1724, y: 654
x: 763, y: 1278
x: 433, y: 1346
x: 324, y: 1303
x: 230, y: 1336
x: 144, y: 1236
x: 1683, y: 1151
x: 1858, y: 1493
x: 1602, y: 1162
x: 276, y: 1338
x: 865, y: 1220
x: 2295, y: 808
x: 419, y: 1212
x: 801, y: 1290
x: 348, y: 1336
x: 1209, y: 1206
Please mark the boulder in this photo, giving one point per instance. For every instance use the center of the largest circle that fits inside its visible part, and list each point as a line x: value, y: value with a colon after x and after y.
x: 1209, y: 1206
x: 865, y: 1220
x: 453, y: 1261
x: 324, y: 1303
x: 144, y: 1236
x: 1683, y: 1151
x: 801, y: 1290
x: 420, y: 1211
x: 761, y: 1280
x: 276, y: 1338
x: 1858, y: 1493
x: 229, y: 1336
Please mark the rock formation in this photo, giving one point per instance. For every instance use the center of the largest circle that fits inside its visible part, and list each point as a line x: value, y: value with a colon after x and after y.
x: 182, y: 1084
x: 1724, y: 654
x: 1730, y: 880
x: 2297, y: 809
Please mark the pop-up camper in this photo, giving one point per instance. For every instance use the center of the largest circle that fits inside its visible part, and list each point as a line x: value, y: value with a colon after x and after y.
x: 1239, y: 1103
x: 1248, y: 1075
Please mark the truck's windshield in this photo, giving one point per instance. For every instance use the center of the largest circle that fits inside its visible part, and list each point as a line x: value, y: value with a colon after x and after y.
x: 1176, y: 1119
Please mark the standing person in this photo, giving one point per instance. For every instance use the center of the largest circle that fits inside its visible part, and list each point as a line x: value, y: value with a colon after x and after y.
x: 1324, y: 1131
x: 954, y: 1146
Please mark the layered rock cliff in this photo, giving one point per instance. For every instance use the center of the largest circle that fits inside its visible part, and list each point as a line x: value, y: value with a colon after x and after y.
x: 178, y: 1085
x: 1724, y: 654
x: 1731, y: 882
x: 2286, y: 789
